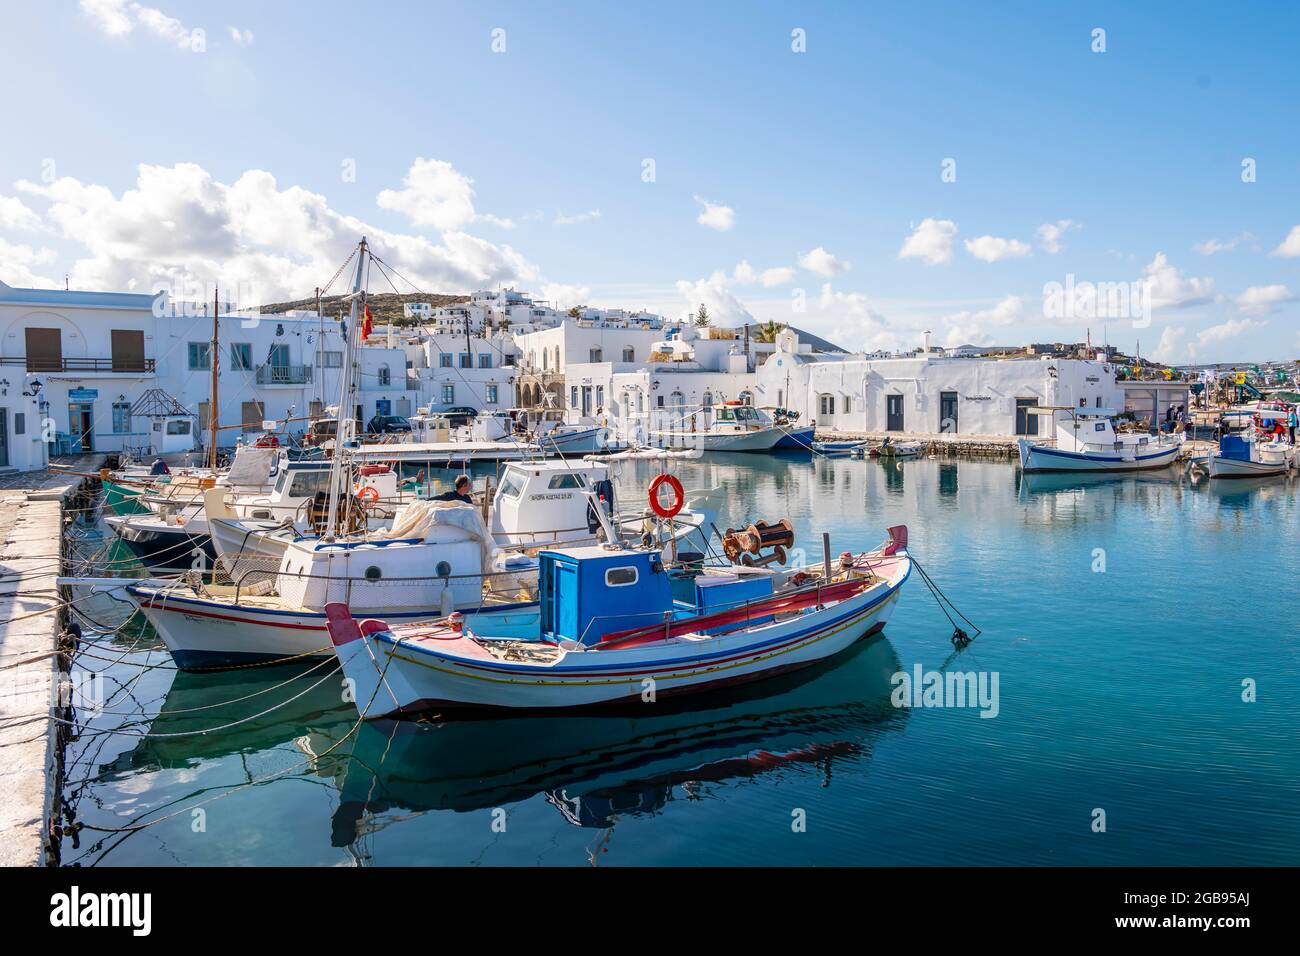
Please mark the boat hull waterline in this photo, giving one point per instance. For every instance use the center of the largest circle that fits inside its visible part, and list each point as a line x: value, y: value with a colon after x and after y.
x: 395, y: 676
x: 1038, y: 459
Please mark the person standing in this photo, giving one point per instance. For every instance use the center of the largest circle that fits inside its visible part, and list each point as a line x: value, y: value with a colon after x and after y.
x: 1292, y: 421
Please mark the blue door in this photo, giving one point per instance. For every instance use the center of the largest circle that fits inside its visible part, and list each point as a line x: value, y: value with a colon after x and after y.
x: 566, y: 600
x: 383, y: 407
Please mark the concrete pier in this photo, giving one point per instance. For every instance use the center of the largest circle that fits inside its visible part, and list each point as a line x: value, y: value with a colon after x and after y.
x: 31, y: 539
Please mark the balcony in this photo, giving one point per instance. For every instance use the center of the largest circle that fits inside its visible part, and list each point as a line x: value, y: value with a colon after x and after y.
x: 283, y: 375
x: 36, y: 363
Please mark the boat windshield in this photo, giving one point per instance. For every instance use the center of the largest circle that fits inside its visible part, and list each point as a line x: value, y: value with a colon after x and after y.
x: 307, y: 483
x: 737, y: 413
x: 512, y: 485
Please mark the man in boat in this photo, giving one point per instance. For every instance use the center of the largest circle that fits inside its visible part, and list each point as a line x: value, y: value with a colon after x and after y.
x: 460, y: 494
x: 159, y: 467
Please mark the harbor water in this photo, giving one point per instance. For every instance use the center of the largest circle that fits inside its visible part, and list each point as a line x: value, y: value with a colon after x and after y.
x: 1140, y: 650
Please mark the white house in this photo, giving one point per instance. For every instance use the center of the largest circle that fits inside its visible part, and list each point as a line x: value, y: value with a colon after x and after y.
x: 930, y: 393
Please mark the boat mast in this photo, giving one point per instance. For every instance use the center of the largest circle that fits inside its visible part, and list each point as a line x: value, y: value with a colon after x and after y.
x: 212, y: 360
x: 346, y: 430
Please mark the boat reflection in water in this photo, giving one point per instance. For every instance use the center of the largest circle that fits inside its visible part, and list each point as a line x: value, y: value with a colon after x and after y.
x: 595, y: 766
x: 256, y: 710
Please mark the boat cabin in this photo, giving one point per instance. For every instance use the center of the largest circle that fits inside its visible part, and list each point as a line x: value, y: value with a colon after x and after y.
x: 589, y: 594
x: 546, y: 502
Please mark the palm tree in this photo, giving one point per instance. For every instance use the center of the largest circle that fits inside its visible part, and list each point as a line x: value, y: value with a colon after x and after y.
x: 768, y: 331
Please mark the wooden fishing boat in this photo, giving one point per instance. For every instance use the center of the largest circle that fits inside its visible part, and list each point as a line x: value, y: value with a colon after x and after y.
x: 618, y: 625
x: 1086, y: 441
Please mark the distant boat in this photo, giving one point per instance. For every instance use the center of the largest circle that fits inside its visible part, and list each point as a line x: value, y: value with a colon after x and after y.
x: 1087, y: 442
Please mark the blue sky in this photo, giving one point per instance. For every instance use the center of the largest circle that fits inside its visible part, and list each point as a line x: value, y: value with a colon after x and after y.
x: 798, y: 186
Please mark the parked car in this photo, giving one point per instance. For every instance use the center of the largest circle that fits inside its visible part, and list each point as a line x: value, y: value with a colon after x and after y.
x: 459, y: 415
x: 387, y: 425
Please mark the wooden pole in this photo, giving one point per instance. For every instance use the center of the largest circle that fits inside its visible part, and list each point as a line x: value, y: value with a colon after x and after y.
x: 212, y: 360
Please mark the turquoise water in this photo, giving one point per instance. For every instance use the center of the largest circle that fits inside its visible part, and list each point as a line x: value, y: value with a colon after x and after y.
x: 1120, y: 688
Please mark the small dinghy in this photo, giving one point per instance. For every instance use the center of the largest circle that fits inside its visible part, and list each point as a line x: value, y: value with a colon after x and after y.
x: 837, y: 447
x: 892, y: 449
x: 620, y: 625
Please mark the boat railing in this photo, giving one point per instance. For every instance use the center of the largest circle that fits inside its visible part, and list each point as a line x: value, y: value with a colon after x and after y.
x: 259, y: 575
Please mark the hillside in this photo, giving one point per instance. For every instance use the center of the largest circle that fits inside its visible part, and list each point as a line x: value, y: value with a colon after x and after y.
x: 384, y: 306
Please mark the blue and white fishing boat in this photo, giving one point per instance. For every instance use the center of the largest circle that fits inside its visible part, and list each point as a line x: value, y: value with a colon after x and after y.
x: 838, y: 447
x: 620, y: 625
x: 1086, y: 441
x: 1243, y: 455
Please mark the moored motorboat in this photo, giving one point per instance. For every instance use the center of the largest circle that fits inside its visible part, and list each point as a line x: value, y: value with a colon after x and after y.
x: 1243, y: 455
x: 1086, y: 441
x: 618, y: 625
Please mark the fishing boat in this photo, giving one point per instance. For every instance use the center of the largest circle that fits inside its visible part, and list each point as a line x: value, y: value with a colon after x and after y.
x: 1243, y: 455
x: 732, y: 426
x: 649, y: 454
x: 616, y: 624
x: 1086, y: 440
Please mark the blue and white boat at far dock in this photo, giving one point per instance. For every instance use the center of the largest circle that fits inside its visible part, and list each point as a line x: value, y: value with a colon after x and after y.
x: 619, y: 625
x: 1086, y: 441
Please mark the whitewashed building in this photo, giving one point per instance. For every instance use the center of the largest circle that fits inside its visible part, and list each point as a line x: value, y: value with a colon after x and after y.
x: 930, y: 393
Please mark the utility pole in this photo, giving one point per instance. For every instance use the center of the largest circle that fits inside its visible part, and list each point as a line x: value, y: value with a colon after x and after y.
x: 212, y: 360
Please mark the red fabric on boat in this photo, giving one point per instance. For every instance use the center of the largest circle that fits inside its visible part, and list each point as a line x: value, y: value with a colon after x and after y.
x: 343, y: 629
x: 826, y: 594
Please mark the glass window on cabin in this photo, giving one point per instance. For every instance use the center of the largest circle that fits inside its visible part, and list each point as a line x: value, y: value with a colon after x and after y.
x: 307, y: 483
x: 620, y: 577
x: 566, y: 481
x: 512, y: 486
x: 726, y: 415
x: 178, y: 427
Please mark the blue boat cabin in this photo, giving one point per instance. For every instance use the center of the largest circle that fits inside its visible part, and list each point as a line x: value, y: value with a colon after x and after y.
x: 588, y: 593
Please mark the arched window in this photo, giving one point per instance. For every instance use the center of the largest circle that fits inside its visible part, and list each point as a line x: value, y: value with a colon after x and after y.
x: 827, y: 405
x: 629, y: 354
x: 746, y: 397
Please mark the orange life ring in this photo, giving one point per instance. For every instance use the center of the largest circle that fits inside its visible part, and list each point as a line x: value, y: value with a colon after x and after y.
x: 679, y: 497
x: 368, y: 494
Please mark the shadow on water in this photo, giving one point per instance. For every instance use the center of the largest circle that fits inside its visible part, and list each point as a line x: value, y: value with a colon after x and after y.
x: 592, y: 767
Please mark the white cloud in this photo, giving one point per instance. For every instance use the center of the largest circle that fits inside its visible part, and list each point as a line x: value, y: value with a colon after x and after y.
x: 931, y: 241
x: 14, y: 214
x: 1219, y: 334
x: 778, y: 275
x: 1262, y: 299
x: 17, y: 263
x: 180, y: 226
x: 993, y: 249
x: 436, y: 195
x: 562, y: 296
x: 241, y: 37
x: 1050, y: 233
x: 118, y: 18
x: 562, y: 220
x: 823, y: 263
x: 1290, y: 247
x: 110, y: 16
x: 1212, y: 246
x: 975, y: 328
x: 1172, y: 345
x: 852, y: 322
x: 1169, y: 287
x: 715, y: 215
x: 715, y: 294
